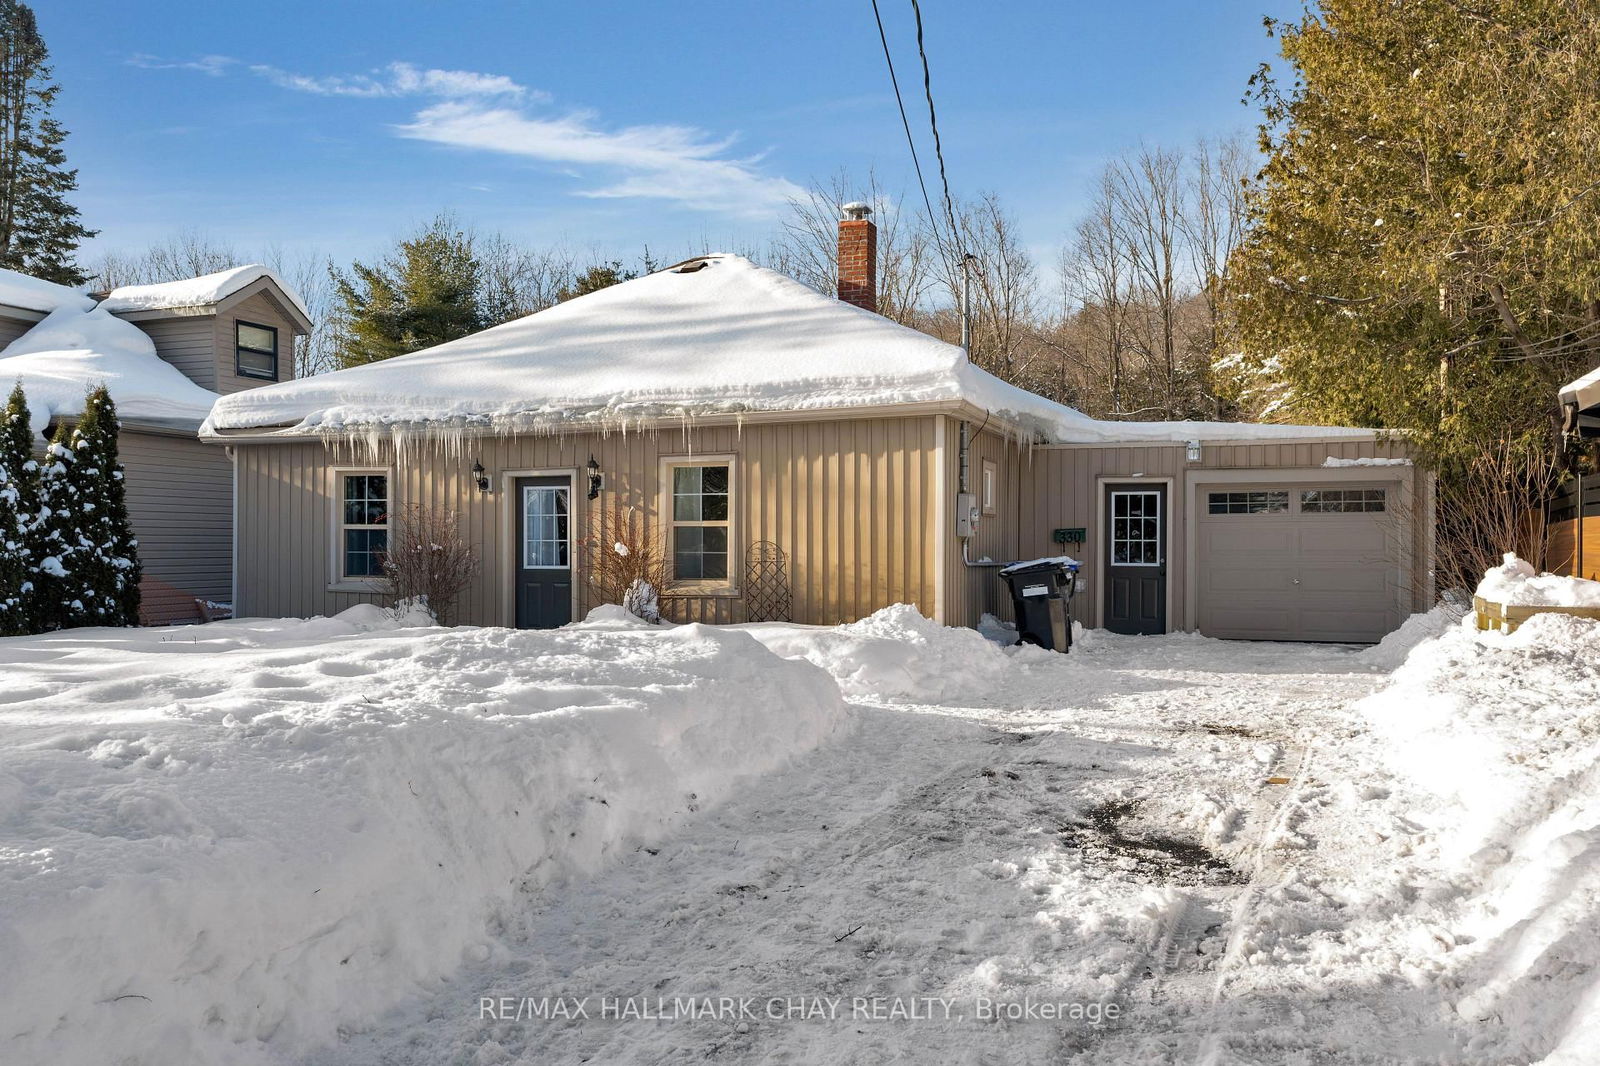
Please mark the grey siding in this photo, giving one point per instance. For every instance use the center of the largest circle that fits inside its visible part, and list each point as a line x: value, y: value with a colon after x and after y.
x: 188, y: 343
x: 180, y: 499
x: 261, y: 310
x: 10, y: 330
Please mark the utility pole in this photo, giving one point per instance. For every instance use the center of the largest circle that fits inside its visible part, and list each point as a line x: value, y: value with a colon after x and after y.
x: 967, y: 259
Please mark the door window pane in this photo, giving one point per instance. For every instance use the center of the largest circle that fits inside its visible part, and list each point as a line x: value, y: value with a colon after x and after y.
x: 545, y: 527
x: 1136, y: 529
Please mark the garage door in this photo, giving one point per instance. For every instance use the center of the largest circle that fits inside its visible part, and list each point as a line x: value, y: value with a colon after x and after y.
x: 1297, y: 562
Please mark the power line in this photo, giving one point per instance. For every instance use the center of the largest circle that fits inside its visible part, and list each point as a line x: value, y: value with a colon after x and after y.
x: 933, y: 121
x: 933, y: 218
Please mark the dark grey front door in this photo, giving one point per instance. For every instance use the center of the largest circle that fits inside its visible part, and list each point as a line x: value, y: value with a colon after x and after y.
x: 544, y: 552
x: 1136, y: 559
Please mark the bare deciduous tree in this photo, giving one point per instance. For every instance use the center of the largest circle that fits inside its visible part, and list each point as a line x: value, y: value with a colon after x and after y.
x: 808, y: 247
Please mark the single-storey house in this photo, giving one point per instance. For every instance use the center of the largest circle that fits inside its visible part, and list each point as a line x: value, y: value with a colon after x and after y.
x: 747, y: 418
x: 165, y: 352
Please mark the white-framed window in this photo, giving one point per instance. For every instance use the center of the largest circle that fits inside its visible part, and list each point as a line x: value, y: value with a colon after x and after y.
x: 988, y: 481
x: 699, y: 513
x: 1135, y: 528
x: 361, y: 527
x: 546, y: 527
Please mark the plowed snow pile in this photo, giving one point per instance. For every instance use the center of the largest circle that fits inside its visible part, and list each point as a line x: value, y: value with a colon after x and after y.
x: 1498, y: 741
x: 899, y: 653
x: 221, y: 844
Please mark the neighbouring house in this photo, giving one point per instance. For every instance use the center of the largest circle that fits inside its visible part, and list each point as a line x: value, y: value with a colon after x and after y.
x: 769, y: 434
x: 165, y: 352
x: 1572, y: 543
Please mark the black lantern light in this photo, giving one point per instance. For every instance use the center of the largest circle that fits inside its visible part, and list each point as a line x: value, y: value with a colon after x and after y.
x: 595, y: 478
x: 481, y: 476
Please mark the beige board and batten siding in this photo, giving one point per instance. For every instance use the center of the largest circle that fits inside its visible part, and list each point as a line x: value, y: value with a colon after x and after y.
x: 849, y: 500
x: 973, y: 586
x: 1064, y: 485
x: 180, y: 503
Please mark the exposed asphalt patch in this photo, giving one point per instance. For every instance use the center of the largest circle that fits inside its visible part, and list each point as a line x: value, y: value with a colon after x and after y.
x: 1103, y: 839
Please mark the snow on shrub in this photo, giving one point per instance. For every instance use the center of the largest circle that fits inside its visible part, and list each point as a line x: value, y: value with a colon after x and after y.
x: 224, y: 847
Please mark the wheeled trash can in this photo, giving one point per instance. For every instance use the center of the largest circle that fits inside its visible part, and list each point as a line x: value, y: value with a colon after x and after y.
x: 1041, y: 589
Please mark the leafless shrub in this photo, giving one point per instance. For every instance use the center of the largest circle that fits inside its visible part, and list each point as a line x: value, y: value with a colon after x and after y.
x: 1493, y: 506
x: 622, y: 551
x: 428, y: 559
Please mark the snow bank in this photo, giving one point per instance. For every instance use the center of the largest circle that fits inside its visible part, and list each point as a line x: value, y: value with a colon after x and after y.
x: 71, y: 351
x: 1336, y: 463
x: 196, y: 292
x: 1420, y: 628
x: 897, y: 653
x: 1515, y: 582
x: 32, y: 294
x: 1500, y: 737
x: 725, y: 337
x: 221, y: 844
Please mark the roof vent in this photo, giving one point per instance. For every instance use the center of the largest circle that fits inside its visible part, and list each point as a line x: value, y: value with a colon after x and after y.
x: 856, y: 209
x: 689, y: 266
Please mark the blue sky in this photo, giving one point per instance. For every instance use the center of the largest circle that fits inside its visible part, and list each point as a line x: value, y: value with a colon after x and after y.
x: 336, y: 126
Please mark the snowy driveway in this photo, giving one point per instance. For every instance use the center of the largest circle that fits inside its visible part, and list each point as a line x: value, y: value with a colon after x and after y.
x: 352, y: 841
x: 1091, y: 830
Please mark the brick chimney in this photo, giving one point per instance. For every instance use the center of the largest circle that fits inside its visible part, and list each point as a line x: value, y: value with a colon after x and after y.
x: 858, y: 257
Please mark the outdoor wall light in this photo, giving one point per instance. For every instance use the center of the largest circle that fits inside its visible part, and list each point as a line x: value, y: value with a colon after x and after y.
x: 480, y: 476
x: 1192, y: 453
x: 595, y: 478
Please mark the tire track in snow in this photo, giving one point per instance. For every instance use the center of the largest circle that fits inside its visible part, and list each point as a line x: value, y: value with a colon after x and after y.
x: 1262, y: 865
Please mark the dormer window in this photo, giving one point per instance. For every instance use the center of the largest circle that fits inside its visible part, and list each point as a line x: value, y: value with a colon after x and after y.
x: 256, y: 351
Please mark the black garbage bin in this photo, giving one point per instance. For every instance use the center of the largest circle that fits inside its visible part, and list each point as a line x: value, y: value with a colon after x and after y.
x: 1040, y: 592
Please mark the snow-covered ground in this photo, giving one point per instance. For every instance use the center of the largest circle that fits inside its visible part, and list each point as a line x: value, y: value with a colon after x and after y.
x: 226, y: 845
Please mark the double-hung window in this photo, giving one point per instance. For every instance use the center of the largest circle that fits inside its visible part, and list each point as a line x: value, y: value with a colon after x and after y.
x: 255, y: 352
x: 363, y: 533
x: 700, y: 520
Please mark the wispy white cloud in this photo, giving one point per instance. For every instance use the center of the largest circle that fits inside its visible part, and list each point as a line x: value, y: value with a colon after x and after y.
x: 474, y: 111
x: 215, y: 66
x: 491, y: 113
x: 401, y: 79
x: 663, y: 162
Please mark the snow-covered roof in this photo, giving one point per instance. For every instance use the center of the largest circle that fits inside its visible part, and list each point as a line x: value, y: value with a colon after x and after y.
x: 203, y: 291
x: 32, y: 294
x: 1585, y: 392
x: 718, y: 335
x: 74, y: 350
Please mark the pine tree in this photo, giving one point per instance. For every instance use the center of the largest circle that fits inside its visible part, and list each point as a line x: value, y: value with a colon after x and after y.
x: 110, y: 568
x: 1426, y: 247
x: 600, y: 276
x: 425, y: 294
x: 19, y: 501
x: 39, y: 229
x: 55, y: 542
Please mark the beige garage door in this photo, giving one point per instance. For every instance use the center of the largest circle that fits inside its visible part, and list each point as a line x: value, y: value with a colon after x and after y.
x: 1298, y: 562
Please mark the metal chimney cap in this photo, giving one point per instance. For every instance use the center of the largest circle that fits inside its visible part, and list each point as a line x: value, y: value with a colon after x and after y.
x: 856, y: 209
